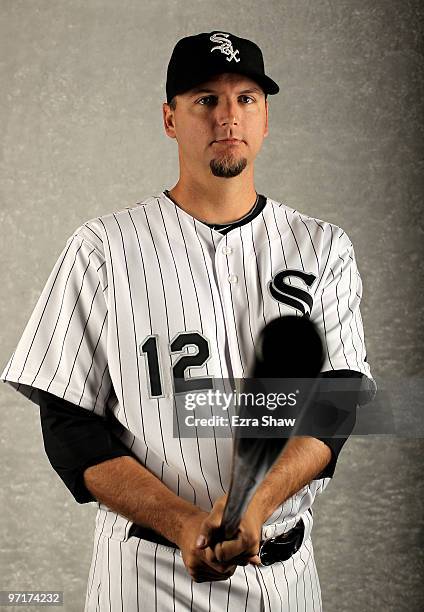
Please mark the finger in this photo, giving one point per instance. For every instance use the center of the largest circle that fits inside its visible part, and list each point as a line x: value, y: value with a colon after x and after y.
x: 211, y: 559
x: 206, y: 532
x: 211, y: 575
x: 244, y: 560
x: 233, y: 549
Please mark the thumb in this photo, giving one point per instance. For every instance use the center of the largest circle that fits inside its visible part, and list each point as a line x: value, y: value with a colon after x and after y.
x: 203, y: 536
x: 255, y: 560
x: 201, y: 541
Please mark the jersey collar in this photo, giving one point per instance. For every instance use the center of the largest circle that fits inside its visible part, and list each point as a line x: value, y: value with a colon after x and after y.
x: 224, y: 228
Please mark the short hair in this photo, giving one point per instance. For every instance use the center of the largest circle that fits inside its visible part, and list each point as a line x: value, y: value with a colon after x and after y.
x: 173, y: 102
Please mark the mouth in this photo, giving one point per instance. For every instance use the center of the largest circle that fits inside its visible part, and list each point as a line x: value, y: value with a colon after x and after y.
x: 228, y: 141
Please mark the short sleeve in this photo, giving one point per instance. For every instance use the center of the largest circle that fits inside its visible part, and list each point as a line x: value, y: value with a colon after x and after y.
x: 336, y: 310
x: 63, y: 348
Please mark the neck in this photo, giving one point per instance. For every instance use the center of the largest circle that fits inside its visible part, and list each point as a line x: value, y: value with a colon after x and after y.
x: 219, y: 201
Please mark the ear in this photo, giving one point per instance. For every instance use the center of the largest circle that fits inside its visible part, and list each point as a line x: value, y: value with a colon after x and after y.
x: 168, y: 120
x: 266, y: 119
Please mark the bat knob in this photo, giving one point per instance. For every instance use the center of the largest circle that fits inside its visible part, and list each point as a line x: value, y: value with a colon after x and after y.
x: 291, y: 345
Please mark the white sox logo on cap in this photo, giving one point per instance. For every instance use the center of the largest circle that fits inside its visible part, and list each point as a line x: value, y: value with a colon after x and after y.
x: 225, y: 46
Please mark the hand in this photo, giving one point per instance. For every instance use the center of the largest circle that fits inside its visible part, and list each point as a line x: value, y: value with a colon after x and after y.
x: 241, y: 550
x: 200, y: 566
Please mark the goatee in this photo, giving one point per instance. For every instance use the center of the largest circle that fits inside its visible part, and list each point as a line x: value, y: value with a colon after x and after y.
x: 227, y: 167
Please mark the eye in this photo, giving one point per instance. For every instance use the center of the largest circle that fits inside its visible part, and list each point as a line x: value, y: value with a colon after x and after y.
x: 206, y: 100
x: 247, y: 98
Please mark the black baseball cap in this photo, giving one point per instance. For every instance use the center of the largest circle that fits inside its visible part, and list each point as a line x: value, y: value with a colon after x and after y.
x: 195, y: 59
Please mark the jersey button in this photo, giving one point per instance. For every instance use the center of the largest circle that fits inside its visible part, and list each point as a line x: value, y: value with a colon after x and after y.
x: 227, y: 250
x: 232, y: 278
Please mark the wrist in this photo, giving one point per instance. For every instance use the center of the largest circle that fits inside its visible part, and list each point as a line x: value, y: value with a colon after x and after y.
x: 182, y: 525
x: 258, y: 510
x: 264, y: 502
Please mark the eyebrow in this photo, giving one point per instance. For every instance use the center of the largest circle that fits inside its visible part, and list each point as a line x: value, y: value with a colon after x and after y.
x: 197, y: 90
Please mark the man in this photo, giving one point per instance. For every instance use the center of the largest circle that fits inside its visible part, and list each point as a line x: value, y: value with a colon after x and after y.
x: 163, y: 297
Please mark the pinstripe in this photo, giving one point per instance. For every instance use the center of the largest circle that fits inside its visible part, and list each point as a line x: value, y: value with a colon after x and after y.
x: 94, y: 561
x: 312, y: 243
x: 148, y: 311
x: 216, y: 340
x: 228, y: 594
x: 350, y: 320
x: 358, y: 316
x: 338, y: 315
x: 259, y: 573
x: 177, y: 276
x: 116, y: 321
x: 201, y: 327
x: 191, y: 595
x: 317, y: 583
x: 246, y: 289
x: 138, y: 576
x: 120, y: 574
x: 82, y: 337
x: 291, y: 561
x: 258, y: 274
x: 283, y: 567
x: 57, y: 321
x: 155, y: 567
x: 160, y: 272
x: 191, y: 274
x: 303, y: 578
x: 135, y: 336
x: 108, y: 575
x: 41, y: 318
x: 247, y: 589
x: 310, y: 581
x: 330, y: 246
x: 90, y: 229
x: 281, y: 243
x: 327, y: 348
x: 270, y: 256
x: 134, y: 325
x: 277, y: 589
x: 234, y: 316
x: 68, y: 326
x: 169, y: 338
x: 295, y: 239
x: 91, y: 366
x: 173, y: 578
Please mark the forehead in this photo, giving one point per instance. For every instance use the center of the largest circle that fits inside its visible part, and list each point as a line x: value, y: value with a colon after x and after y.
x: 224, y: 81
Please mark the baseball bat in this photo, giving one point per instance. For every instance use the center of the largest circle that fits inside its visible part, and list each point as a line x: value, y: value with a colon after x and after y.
x: 289, y: 347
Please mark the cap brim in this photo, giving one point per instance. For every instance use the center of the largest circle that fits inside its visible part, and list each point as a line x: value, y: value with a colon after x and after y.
x: 268, y: 85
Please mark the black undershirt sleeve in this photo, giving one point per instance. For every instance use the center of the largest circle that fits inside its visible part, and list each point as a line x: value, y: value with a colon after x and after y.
x: 75, y: 439
x: 343, y: 413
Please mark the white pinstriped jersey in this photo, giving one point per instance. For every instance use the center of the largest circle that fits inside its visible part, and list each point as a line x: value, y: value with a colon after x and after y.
x: 133, y: 291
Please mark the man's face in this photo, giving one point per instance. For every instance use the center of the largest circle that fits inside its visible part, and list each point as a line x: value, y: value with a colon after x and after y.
x: 219, y: 125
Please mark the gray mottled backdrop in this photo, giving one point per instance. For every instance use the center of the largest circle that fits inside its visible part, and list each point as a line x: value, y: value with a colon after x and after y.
x: 81, y: 135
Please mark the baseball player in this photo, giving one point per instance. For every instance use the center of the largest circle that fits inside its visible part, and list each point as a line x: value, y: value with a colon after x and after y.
x: 165, y: 297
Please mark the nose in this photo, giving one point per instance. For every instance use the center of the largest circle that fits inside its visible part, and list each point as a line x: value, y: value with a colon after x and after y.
x: 228, y: 112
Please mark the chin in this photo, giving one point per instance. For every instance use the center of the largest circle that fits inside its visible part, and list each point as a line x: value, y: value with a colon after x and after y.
x: 227, y: 168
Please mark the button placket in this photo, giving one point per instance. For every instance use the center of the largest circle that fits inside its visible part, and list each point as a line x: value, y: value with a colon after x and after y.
x: 227, y: 264
x: 227, y: 250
